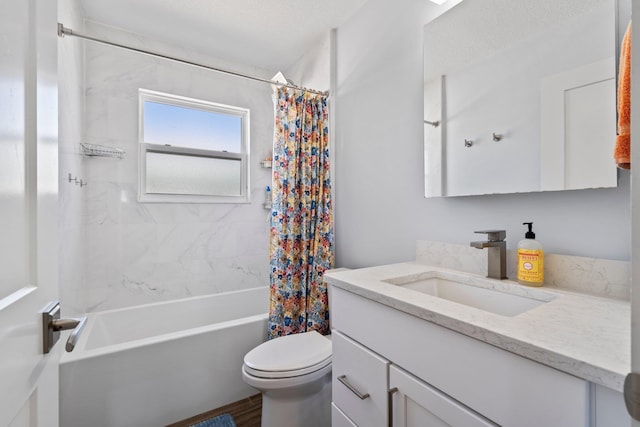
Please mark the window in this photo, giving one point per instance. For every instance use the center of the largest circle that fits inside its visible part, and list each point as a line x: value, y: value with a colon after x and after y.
x: 192, y: 151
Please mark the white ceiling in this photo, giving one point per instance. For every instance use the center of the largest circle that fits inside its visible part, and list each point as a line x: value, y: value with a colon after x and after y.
x: 267, y: 34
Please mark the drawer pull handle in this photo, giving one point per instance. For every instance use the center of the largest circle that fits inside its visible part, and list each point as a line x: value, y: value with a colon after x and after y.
x: 343, y: 380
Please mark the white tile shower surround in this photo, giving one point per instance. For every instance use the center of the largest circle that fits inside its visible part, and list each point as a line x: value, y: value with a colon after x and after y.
x: 601, y: 277
x: 140, y: 253
x: 71, y: 130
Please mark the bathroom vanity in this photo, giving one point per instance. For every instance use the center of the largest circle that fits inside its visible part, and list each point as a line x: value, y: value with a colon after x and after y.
x: 411, y: 350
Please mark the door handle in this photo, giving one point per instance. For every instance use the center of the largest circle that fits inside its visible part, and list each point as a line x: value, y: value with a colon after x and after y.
x: 52, y: 324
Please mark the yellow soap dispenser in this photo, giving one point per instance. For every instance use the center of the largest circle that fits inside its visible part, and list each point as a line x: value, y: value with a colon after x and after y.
x: 530, y: 259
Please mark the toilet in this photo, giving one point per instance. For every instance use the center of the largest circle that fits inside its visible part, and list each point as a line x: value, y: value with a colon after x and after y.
x: 294, y: 375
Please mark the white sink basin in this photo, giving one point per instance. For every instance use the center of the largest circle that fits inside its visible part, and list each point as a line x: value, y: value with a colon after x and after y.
x: 495, y: 296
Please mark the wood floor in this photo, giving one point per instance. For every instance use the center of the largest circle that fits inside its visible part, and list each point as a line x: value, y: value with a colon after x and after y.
x: 246, y: 413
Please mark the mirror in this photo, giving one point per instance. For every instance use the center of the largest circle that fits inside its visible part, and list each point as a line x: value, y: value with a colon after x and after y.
x: 520, y: 96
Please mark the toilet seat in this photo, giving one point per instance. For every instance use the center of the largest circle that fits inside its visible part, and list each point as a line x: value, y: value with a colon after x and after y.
x: 290, y: 356
x: 286, y: 374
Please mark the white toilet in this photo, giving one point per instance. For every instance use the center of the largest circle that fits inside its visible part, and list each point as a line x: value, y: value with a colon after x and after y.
x: 294, y: 375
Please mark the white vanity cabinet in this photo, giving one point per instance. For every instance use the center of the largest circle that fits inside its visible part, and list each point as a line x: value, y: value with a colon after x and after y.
x: 367, y: 390
x: 441, y: 375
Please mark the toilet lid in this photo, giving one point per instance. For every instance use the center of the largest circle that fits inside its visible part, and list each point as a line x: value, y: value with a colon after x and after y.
x: 289, y: 356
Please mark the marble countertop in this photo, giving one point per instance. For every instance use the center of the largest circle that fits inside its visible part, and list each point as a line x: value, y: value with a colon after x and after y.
x: 583, y: 335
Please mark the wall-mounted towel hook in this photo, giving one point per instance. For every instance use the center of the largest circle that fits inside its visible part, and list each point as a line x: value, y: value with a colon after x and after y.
x: 468, y: 143
x: 497, y: 136
x: 434, y: 124
x: 76, y: 181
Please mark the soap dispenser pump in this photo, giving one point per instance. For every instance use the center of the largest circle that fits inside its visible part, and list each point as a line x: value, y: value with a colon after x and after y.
x: 530, y: 259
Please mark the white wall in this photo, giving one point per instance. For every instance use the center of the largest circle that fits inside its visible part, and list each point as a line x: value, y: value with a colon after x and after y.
x: 380, y: 208
x: 312, y: 70
x: 138, y: 253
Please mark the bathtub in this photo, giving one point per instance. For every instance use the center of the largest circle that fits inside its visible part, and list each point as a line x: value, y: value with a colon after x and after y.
x: 156, y: 364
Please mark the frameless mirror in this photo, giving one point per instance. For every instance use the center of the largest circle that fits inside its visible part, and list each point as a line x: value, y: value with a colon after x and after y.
x: 520, y: 96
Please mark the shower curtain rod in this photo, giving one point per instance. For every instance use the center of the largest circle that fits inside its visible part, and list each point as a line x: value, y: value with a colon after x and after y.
x: 64, y: 31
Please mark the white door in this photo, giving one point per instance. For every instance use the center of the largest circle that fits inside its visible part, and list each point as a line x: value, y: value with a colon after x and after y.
x: 635, y: 196
x: 28, y: 210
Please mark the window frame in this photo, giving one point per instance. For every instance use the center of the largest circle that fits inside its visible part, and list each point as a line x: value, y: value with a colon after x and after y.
x: 198, y: 104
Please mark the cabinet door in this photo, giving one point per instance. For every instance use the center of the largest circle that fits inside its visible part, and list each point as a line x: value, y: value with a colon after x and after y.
x: 359, y: 385
x: 608, y: 407
x: 417, y: 404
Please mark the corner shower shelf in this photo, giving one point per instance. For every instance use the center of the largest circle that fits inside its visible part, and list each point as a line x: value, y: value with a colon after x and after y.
x: 94, y: 150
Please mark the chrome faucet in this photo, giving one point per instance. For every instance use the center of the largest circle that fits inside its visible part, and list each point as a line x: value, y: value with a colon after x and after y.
x: 497, y: 256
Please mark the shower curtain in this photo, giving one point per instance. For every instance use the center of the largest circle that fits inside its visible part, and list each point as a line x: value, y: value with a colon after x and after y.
x: 301, y: 246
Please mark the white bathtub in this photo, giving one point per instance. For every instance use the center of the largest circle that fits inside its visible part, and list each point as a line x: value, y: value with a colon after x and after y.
x: 156, y: 364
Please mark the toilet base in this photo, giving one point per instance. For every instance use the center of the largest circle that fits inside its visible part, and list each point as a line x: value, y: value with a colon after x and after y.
x: 304, y: 406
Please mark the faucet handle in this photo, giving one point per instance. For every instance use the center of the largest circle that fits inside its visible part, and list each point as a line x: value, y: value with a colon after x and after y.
x: 494, y: 235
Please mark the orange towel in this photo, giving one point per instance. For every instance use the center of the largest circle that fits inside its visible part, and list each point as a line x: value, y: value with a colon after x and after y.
x: 622, y: 150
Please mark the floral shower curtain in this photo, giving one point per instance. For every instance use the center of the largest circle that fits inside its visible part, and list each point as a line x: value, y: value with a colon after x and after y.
x: 301, y: 246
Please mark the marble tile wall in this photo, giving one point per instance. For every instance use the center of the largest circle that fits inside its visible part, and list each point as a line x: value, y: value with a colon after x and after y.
x: 602, y: 277
x: 137, y: 253
x: 71, y: 255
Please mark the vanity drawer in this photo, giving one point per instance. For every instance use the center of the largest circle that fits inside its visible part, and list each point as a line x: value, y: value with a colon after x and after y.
x: 359, y: 383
